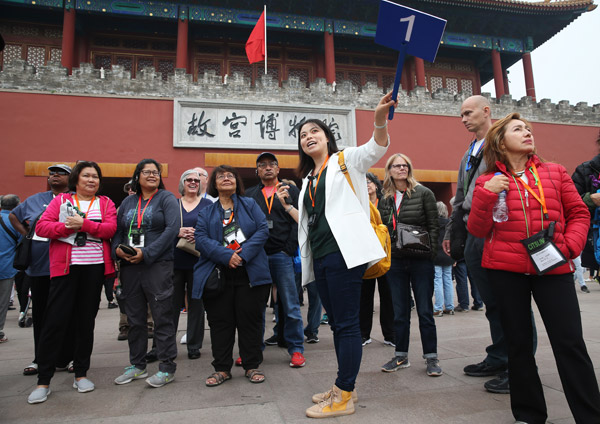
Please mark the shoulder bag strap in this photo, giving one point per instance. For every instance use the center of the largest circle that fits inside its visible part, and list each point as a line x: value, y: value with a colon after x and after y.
x: 344, y: 169
x: 10, y: 233
x: 181, y: 212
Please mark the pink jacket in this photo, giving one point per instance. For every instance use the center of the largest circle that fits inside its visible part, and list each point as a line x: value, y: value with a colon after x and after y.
x: 503, y: 249
x: 60, y: 252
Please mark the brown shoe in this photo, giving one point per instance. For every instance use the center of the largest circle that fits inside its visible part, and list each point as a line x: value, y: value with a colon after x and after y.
x: 339, y: 403
x: 123, y: 332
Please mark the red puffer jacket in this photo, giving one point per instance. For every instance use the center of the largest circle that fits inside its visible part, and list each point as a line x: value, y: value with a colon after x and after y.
x: 503, y: 248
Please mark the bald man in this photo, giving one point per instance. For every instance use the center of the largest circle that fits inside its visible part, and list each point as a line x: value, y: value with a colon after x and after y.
x: 476, y: 116
x: 204, y: 184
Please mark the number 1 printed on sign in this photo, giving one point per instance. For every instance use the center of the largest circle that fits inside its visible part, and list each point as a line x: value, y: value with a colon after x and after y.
x: 411, y: 20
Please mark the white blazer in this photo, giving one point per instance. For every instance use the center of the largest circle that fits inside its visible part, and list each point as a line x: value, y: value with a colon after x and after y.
x: 347, y: 213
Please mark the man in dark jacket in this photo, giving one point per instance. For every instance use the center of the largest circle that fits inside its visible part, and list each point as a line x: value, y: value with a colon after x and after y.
x: 587, y: 182
x: 281, y: 247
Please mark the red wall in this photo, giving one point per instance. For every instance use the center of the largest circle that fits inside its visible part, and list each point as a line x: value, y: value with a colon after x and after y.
x: 57, y: 128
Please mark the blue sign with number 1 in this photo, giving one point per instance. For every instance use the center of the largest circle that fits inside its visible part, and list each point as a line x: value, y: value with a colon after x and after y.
x: 410, y: 32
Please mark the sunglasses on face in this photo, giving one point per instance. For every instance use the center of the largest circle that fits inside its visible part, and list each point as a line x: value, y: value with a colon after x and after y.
x: 58, y: 173
x: 192, y: 180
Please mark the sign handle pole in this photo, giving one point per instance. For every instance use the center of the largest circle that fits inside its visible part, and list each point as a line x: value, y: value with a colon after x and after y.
x: 401, y: 57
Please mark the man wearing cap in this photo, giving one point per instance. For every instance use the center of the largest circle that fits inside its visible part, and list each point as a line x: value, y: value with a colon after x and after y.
x: 281, y: 247
x: 38, y: 272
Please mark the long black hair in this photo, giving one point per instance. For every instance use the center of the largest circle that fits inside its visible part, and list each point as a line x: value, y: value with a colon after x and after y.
x: 74, y: 176
x: 306, y: 162
x: 135, y: 185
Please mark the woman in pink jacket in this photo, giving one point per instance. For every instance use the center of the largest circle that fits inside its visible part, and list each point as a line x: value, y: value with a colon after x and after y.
x: 80, y: 226
x: 529, y: 252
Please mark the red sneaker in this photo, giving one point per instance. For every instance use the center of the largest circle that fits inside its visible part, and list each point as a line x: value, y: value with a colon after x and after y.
x: 238, y: 362
x: 297, y: 360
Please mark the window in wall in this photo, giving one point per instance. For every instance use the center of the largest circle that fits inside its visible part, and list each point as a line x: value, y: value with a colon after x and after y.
x: 301, y: 73
x: 467, y: 87
x: 55, y: 55
x: 167, y: 67
x: 126, y: 62
x: 435, y: 83
x: 452, y: 85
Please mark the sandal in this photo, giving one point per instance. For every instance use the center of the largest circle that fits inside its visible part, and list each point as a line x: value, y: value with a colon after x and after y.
x: 250, y: 374
x: 220, y: 377
x: 31, y: 369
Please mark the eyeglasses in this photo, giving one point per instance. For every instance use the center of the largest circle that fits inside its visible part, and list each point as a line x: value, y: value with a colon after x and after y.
x: 192, y: 180
x: 58, y: 173
x: 225, y: 176
x: 400, y: 166
x: 265, y: 164
x: 147, y: 173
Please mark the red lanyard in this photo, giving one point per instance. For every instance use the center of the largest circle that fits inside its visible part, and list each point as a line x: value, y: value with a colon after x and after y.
x: 317, y: 184
x: 89, y: 206
x: 395, y: 212
x: 541, y: 198
x: 225, y: 223
x: 141, y: 219
x: 264, y: 192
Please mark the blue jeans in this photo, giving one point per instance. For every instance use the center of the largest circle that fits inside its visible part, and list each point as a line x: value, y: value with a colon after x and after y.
x: 417, y: 273
x: 313, y: 316
x: 282, y: 274
x: 339, y: 288
x: 444, y: 292
x: 462, y: 287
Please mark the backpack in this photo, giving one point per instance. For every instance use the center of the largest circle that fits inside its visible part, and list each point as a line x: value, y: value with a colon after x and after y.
x: 381, y: 231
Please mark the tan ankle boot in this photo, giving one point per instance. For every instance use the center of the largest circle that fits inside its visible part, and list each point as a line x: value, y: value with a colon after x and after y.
x: 339, y: 403
x: 320, y: 397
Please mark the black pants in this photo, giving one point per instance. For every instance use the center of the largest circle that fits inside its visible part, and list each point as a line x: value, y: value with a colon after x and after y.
x: 386, y: 308
x: 183, y: 282
x: 557, y: 302
x: 22, y: 286
x: 108, y: 288
x: 73, y: 302
x: 144, y: 285
x: 239, y: 307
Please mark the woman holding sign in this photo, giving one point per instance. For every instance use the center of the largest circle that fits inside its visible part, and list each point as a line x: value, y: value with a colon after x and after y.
x: 528, y: 253
x: 337, y: 242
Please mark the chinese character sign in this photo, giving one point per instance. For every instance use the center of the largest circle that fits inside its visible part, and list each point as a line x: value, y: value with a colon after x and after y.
x: 239, y: 126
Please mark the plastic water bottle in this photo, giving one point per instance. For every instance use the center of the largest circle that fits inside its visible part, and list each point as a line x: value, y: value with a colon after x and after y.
x: 501, y: 208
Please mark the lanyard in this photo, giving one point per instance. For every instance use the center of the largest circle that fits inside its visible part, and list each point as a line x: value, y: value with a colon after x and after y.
x: 89, y: 206
x: 541, y: 198
x: 227, y: 222
x: 139, y: 220
x: 317, y: 184
x: 470, y: 155
x: 264, y: 192
x: 394, y: 209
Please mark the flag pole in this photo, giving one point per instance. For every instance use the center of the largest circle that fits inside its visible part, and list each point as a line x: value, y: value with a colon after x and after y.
x: 265, y: 39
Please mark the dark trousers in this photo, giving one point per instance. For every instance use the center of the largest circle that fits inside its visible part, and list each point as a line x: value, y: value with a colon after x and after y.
x: 405, y: 273
x: 242, y: 308
x: 183, y: 281
x: 144, y: 285
x: 22, y: 286
x: 497, y: 351
x: 339, y: 289
x: 386, y: 308
x: 73, y: 298
x: 462, y: 287
x: 108, y: 288
x: 557, y: 302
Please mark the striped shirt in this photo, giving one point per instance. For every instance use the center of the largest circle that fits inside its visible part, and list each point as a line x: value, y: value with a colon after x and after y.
x: 91, y: 253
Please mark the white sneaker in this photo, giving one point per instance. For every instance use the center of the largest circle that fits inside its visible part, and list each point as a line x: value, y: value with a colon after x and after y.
x: 183, y: 339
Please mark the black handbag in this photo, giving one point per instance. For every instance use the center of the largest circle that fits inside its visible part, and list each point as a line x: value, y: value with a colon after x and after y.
x: 458, y: 237
x: 215, y: 284
x: 413, y: 241
x: 23, y: 249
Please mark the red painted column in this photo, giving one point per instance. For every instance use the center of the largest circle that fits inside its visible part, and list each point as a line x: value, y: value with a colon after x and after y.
x: 505, y: 81
x: 420, y: 69
x: 181, y: 60
x: 320, y: 64
x: 528, y: 70
x: 329, y: 58
x: 68, y: 38
x: 498, y: 78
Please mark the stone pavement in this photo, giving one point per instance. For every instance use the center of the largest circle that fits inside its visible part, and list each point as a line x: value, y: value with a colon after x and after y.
x: 407, y: 396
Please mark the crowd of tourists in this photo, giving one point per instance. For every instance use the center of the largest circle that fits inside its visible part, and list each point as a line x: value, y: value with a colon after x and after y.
x: 517, y: 228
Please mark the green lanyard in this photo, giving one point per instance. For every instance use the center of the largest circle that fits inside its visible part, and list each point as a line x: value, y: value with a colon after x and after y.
x: 523, y: 204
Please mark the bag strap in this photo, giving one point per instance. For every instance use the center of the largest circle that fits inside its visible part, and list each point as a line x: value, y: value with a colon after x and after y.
x: 181, y: 213
x: 344, y: 169
x: 10, y: 233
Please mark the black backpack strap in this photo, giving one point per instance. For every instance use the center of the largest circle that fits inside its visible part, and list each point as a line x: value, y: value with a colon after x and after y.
x: 10, y: 233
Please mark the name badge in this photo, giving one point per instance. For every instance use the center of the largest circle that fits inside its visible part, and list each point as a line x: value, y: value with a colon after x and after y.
x: 137, y: 237
x: 543, y: 252
x: 270, y: 224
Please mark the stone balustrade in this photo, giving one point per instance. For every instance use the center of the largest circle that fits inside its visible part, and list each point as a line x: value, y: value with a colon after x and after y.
x: 54, y: 78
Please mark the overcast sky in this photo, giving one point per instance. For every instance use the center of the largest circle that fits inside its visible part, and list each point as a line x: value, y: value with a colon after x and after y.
x: 566, y: 67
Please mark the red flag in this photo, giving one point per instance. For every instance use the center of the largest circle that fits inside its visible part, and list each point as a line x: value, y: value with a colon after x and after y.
x: 255, y: 46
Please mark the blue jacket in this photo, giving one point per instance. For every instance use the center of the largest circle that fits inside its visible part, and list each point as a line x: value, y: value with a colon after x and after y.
x: 7, y: 247
x: 209, y: 236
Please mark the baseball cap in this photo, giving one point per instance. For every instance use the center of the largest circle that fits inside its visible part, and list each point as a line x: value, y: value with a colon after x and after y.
x: 265, y: 155
x: 60, y: 166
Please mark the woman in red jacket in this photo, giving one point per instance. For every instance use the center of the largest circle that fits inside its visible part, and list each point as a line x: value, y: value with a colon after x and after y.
x: 530, y: 254
x: 80, y: 226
